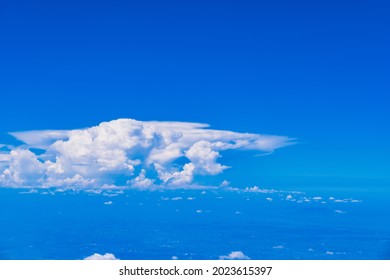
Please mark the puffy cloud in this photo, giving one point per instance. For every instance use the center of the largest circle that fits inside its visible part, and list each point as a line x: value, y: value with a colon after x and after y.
x: 235, y: 255
x: 141, y: 181
x: 125, y: 153
x: 204, y: 158
x: 105, y: 257
x: 23, y: 168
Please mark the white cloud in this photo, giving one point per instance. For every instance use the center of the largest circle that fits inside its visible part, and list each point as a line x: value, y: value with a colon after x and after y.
x: 31, y: 191
x: 23, y: 168
x: 347, y: 200
x: 256, y: 189
x: 340, y: 200
x: 235, y: 255
x: 145, y: 154
x: 225, y: 183
x: 96, y: 256
x: 41, y: 139
x: 141, y: 181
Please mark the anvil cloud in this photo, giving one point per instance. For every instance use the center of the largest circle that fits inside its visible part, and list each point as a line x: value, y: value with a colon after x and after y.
x: 124, y: 153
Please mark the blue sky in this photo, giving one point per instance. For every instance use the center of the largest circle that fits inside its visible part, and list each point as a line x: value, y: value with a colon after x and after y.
x: 315, y: 71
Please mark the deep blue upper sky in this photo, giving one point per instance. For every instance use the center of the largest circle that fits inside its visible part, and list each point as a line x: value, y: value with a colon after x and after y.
x: 314, y: 70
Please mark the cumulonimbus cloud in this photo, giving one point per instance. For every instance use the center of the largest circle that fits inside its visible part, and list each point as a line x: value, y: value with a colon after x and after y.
x: 124, y: 153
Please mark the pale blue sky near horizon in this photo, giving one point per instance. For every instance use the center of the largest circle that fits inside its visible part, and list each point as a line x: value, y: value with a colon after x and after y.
x: 314, y: 71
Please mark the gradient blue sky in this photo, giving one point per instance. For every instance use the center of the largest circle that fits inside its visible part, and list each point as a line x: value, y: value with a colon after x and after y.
x: 317, y: 71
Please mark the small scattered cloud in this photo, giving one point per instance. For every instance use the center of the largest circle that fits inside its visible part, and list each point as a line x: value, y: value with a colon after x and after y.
x: 347, y: 200
x: 278, y: 247
x: 256, y: 189
x: 32, y: 191
x: 225, y: 183
x: 107, y: 256
x: 108, y: 202
x: 235, y: 255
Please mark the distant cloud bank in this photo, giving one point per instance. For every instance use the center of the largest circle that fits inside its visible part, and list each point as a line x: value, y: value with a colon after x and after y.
x: 124, y: 153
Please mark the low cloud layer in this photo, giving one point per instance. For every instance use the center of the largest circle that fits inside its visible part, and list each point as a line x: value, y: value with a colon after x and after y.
x: 124, y: 153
